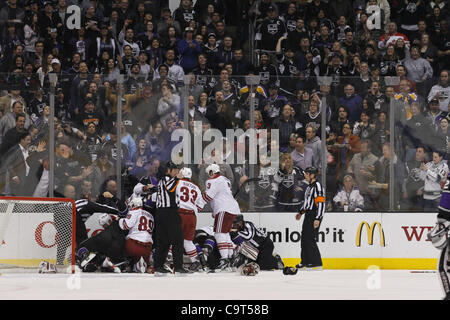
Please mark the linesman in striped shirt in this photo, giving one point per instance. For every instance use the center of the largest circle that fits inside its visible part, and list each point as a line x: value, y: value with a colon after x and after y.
x: 168, y: 230
x: 313, y: 209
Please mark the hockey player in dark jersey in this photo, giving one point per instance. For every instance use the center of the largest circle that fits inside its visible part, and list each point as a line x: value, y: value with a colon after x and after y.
x: 254, y: 246
x: 85, y: 209
x: 439, y: 237
x: 205, y: 243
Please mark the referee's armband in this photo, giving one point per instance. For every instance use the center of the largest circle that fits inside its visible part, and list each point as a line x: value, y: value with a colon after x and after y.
x: 319, y: 200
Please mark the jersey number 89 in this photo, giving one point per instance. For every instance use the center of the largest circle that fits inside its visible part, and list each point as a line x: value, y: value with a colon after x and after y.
x: 145, y: 225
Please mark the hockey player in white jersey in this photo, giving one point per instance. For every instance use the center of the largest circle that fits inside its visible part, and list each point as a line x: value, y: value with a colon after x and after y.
x: 225, y: 209
x: 190, y: 202
x: 139, y: 241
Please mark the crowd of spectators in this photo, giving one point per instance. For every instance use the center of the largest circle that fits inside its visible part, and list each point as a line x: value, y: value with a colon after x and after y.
x: 194, y: 60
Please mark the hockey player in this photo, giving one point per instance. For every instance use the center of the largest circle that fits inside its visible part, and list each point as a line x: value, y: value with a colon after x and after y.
x: 105, y: 250
x: 205, y: 243
x: 225, y: 208
x: 189, y: 202
x: 139, y: 224
x: 85, y: 209
x: 439, y: 237
x: 254, y: 245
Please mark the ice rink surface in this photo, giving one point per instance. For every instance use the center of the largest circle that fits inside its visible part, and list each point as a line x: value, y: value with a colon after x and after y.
x: 268, y: 285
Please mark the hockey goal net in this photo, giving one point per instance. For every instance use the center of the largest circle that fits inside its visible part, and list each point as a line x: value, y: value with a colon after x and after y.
x: 34, y: 230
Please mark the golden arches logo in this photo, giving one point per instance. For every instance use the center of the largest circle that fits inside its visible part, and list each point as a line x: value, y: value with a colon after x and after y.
x: 370, y: 232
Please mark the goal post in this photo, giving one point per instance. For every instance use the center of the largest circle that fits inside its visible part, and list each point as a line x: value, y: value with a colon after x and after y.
x: 37, y: 229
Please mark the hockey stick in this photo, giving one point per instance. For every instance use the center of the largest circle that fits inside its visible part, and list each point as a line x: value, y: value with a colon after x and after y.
x: 423, y: 271
x: 245, y: 182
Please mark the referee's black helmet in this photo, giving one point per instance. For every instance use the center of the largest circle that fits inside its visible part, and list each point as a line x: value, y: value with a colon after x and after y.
x: 170, y: 165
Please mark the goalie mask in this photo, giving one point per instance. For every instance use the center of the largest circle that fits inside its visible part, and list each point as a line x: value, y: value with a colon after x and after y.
x: 439, y: 234
x: 250, y: 269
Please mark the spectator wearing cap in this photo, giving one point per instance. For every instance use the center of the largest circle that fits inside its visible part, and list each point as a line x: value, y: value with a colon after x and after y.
x: 273, y: 105
x: 134, y: 79
x: 189, y: 49
x: 89, y: 115
x: 434, y: 113
x: 49, y: 19
x: 211, y: 49
x: 270, y: 30
x: 441, y: 91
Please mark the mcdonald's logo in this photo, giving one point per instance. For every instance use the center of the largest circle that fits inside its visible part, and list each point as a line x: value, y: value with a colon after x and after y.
x: 370, y: 232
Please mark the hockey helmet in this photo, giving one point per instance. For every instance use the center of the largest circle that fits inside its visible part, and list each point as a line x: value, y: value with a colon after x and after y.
x: 186, y: 173
x: 439, y: 234
x: 135, y: 202
x: 212, y: 167
x: 170, y: 165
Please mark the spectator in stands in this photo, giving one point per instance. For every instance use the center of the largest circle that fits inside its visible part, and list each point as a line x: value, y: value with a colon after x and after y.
x: 364, y: 128
x: 348, y: 197
x: 168, y: 103
x: 359, y: 166
x: 9, y: 120
x: 353, y: 102
x: 341, y: 119
x: 418, y: 70
x: 381, y: 184
x: 441, y: 91
x: 433, y: 173
x: 412, y: 188
x: 302, y: 156
x: 314, y: 142
x: 290, y: 185
x: 189, y: 49
x: 346, y: 147
x: 285, y: 123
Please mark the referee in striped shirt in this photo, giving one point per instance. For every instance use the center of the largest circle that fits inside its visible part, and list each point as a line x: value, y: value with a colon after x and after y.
x: 168, y: 229
x: 313, y: 209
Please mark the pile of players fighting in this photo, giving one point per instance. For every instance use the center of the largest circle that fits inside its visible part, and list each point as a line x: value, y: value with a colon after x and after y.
x: 158, y: 232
